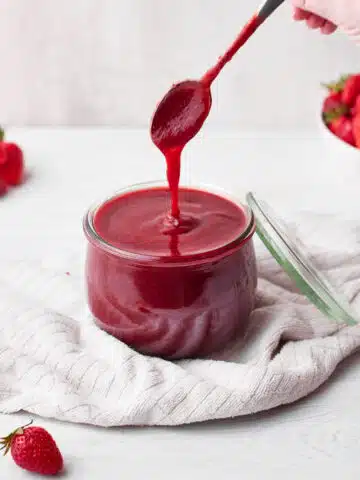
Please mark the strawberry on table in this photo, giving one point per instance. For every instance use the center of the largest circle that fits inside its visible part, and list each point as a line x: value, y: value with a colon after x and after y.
x: 11, y: 162
x: 33, y: 449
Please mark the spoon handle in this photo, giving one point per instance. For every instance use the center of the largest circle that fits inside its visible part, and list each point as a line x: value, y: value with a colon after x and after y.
x: 264, y: 11
x: 268, y: 7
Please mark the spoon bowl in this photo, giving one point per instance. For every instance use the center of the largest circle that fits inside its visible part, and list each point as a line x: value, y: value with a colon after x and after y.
x: 180, y: 114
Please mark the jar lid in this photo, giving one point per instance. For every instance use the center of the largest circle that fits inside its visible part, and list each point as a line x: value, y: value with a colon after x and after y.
x: 293, y: 257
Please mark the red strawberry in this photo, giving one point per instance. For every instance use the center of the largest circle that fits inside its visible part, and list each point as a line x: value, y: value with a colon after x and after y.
x: 356, y: 108
x: 34, y: 449
x: 332, y: 101
x: 342, y: 127
x: 11, y: 162
x: 12, y: 169
x: 333, y: 107
x: 351, y: 90
x: 2, y: 151
x: 356, y: 129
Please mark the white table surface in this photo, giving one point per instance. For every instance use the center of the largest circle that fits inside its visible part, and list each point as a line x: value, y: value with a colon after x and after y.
x: 69, y: 169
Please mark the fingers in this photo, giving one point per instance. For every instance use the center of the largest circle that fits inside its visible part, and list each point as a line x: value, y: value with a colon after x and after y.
x: 328, y: 28
x: 300, y: 14
x: 313, y: 21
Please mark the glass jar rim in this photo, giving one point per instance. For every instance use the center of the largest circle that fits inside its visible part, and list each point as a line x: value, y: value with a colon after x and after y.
x: 223, y: 251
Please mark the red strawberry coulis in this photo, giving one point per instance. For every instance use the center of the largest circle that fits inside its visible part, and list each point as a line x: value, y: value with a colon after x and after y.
x: 171, y: 291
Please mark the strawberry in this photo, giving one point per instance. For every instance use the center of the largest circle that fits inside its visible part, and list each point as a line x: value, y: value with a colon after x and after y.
x: 2, y: 151
x: 335, y: 116
x: 11, y: 162
x: 356, y: 108
x: 342, y: 127
x: 351, y: 90
x: 12, y: 168
x: 332, y: 101
x: 333, y: 106
x: 356, y: 129
x: 34, y: 449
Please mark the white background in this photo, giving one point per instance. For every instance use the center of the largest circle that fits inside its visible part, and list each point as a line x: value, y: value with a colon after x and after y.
x: 107, y: 62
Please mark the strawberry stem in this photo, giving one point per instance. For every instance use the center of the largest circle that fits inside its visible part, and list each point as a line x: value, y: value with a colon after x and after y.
x: 27, y: 425
x: 2, y: 134
x: 336, y: 87
x: 6, y: 441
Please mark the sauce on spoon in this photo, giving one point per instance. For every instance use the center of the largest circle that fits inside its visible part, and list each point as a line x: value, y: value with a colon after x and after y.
x: 182, y: 112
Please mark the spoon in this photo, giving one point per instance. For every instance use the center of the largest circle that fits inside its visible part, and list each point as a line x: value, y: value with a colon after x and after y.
x: 183, y: 110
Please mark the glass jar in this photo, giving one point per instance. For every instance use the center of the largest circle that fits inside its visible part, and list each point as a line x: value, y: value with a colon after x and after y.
x: 174, y: 307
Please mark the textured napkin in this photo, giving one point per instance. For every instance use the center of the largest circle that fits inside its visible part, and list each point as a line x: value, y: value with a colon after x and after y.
x: 55, y: 363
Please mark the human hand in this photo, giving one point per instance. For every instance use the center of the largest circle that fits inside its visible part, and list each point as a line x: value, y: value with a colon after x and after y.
x: 327, y: 15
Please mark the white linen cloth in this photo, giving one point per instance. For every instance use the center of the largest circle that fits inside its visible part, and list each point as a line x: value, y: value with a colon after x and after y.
x: 54, y: 362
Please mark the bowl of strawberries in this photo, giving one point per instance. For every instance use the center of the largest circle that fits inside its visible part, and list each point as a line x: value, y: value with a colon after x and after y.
x: 340, y: 113
x: 340, y: 126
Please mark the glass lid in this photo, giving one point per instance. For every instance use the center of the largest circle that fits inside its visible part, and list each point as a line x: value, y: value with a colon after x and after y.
x: 292, y: 256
